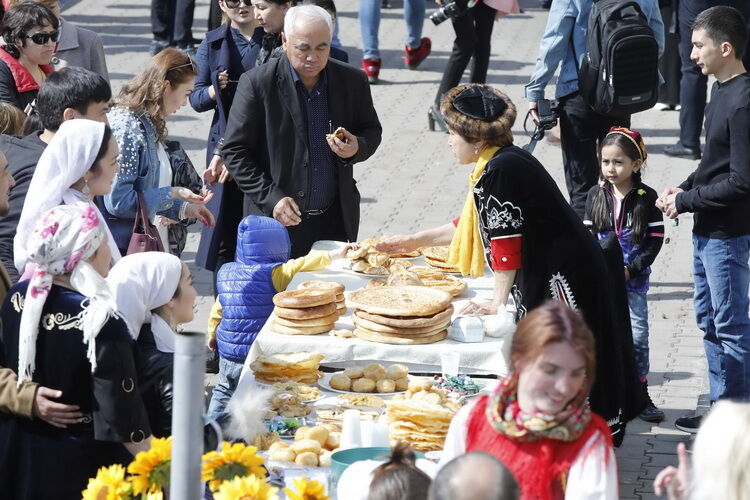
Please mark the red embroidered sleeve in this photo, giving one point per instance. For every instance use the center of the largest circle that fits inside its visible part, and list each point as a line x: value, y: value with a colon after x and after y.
x: 506, y: 253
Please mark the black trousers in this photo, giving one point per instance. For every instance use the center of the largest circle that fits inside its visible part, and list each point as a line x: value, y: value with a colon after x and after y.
x: 473, y: 36
x: 581, y: 130
x: 669, y: 63
x: 326, y: 226
x: 172, y: 20
x: 693, y: 84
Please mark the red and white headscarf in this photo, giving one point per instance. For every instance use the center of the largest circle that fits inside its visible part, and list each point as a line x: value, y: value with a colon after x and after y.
x: 62, y: 241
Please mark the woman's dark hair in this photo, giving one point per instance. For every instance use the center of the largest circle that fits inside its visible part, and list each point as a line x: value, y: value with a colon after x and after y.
x: 601, y: 217
x: 20, y: 19
x: 399, y: 478
x: 324, y: 4
x: 102, y: 149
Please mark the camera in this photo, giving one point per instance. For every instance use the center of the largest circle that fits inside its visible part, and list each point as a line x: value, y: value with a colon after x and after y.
x: 547, y: 111
x: 450, y: 10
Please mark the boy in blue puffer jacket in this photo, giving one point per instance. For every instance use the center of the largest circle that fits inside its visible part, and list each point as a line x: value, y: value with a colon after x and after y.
x: 246, y: 287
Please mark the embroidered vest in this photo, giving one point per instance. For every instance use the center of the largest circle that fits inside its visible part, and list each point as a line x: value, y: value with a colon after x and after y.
x: 540, y: 467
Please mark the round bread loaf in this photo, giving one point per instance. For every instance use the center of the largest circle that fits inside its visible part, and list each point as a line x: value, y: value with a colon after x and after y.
x: 436, y: 253
x: 406, y: 322
x: 301, y: 330
x: 426, y: 333
x: 306, y: 313
x: 384, y: 338
x: 331, y: 286
x: 325, y: 320
x: 400, y: 301
x: 298, y: 299
x: 376, y: 327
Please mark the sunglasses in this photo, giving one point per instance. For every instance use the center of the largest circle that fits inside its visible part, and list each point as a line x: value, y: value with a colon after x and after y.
x: 42, y: 38
x: 233, y: 4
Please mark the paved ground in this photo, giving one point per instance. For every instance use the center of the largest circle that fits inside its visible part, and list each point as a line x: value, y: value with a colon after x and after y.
x: 412, y: 182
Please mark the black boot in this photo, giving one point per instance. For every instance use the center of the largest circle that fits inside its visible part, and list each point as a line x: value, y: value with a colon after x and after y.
x: 650, y: 413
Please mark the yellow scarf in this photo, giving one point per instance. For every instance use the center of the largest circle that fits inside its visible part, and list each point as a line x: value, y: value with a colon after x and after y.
x: 467, y: 251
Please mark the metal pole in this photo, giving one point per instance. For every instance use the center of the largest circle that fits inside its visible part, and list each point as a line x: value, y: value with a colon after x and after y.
x: 187, y: 416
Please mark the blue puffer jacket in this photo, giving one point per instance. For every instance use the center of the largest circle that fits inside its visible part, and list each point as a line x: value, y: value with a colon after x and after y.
x: 246, y: 287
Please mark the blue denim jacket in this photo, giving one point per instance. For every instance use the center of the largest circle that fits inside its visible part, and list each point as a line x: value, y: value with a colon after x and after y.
x: 139, y: 171
x: 564, y: 41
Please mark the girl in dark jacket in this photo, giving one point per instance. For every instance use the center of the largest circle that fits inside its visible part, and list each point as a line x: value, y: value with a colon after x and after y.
x: 624, y: 206
x: 154, y: 293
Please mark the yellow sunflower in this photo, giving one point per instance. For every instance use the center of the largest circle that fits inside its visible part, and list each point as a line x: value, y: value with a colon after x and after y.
x: 232, y: 461
x: 304, y: 489
x: 246, y: 488
x: 150, y: 469
x: 109, y: 484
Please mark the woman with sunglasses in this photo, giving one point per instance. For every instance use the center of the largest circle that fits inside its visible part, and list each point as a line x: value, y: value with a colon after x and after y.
x: 30, y: 32
x: 138, y: 122
x: 76, y: 46
x: 223, y: 55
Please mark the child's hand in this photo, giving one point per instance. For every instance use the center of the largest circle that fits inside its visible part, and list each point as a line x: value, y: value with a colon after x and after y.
x: 341, y: 252
x: 212, y: 343
x: 627, y: 274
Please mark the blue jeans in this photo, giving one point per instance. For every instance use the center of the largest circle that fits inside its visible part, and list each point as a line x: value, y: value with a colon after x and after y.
x: 229, y: 377
x: 722, y: 276
x: 639, y: 324
x: 369, y: 24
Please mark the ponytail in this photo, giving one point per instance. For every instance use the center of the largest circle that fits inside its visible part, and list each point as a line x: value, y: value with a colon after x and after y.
x: 399, y: 478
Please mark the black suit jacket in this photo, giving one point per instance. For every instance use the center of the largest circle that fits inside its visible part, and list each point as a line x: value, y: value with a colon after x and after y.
x: 265, y: 144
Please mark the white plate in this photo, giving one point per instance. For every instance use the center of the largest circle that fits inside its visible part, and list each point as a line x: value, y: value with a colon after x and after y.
x: 325, y: 384
x: 305, y: 401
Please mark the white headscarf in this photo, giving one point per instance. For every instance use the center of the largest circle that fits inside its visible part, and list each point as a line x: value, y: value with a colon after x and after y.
x: 142, y: 282
x: 69, y: 155
x: 61, y: 243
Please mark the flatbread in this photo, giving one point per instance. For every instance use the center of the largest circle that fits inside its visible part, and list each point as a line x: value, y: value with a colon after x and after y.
x: 298, y: 299
x: 301, y: 330
x: 332, y: 286
x: 436, y: 253
x: 400, y: 301
x: 406, y: 334
x: 325, y: 320
x: 406, y: 322
x: 372, y: 326
x: 384, y: 338
x: 305, y: 313
x: 441, y: 265
x: 451, y: 284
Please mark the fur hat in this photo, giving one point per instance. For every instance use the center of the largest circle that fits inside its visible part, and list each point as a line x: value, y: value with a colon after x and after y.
x: 478, y: 112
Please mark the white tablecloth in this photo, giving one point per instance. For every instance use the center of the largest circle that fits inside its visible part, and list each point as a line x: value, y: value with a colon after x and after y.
x: 476, y: 358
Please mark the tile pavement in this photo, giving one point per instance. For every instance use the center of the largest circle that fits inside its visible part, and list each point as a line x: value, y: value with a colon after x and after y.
x: 412, y: 182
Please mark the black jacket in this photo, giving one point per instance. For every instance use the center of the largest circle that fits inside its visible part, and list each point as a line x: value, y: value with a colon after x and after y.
x: 155, y: 377
x: 265, y: 145
x: 23, y: 154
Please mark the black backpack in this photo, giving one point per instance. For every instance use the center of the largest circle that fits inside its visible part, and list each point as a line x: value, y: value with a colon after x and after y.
x: 619, y: 74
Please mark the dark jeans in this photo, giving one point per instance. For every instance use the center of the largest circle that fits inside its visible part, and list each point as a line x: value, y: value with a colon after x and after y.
x: 473, y: 35
x: 172, y: 20
x: 581, y: 130
x: 669, y: 63
x: 326, y: 226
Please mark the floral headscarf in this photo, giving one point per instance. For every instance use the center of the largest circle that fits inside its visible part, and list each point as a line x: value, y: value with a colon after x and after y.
x: 506, y: 416
x: 61, y: 243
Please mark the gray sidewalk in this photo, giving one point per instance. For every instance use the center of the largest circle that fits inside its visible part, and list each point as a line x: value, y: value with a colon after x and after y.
x: 412, y: 182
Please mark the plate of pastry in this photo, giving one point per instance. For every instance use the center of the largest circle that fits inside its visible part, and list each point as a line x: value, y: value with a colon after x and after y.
x: 373, y: 378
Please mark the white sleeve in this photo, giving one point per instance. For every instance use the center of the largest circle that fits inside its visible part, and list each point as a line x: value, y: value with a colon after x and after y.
x: 455, y: 440
x: 593, y: 475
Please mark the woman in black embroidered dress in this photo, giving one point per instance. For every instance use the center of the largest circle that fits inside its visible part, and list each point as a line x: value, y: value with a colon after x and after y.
x: 517, y: 222
x: 60, y: 329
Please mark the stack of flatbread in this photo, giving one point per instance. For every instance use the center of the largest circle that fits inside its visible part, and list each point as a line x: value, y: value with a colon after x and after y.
x: 403, y: 315
x: 437, y: 257
x: 422, y: 276
x: 289, y: 367
x: 308, y: 311
x: 421, y: 416
x: 337, y: 288
x: 367, y: 260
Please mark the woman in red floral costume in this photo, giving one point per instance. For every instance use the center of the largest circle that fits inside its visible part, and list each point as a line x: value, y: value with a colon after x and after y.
x: 538, y: 421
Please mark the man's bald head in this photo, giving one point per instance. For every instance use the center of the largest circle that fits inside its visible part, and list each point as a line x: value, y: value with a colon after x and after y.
x: 474, y: 476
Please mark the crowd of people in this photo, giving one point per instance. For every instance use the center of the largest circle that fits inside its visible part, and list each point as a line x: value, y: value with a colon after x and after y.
x: 95, y: 201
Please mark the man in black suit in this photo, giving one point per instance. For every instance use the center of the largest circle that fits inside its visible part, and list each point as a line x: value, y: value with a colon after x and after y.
x: 276, y: 144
